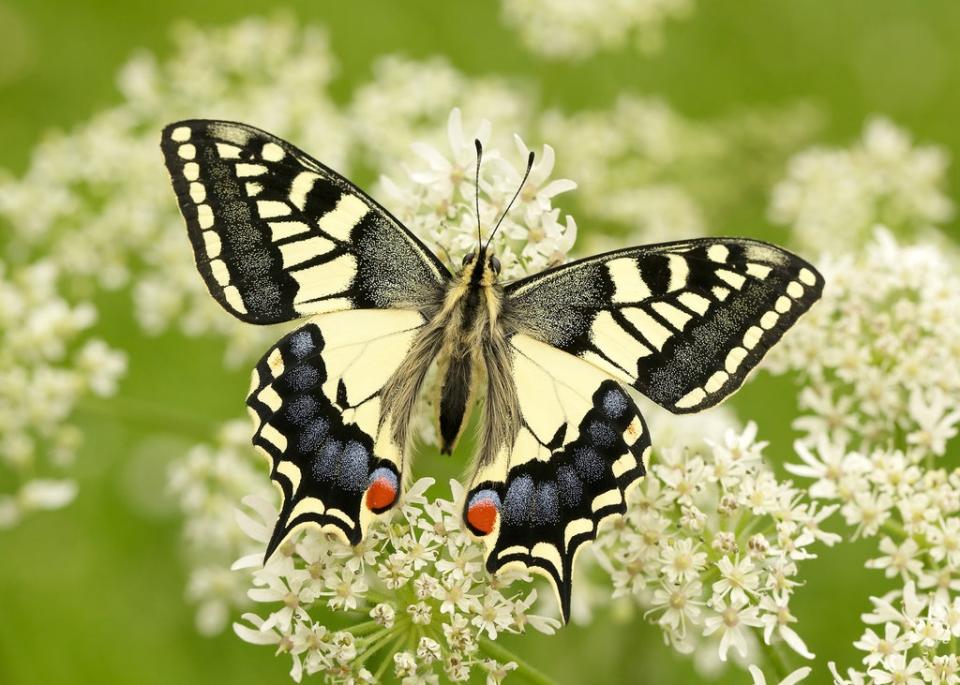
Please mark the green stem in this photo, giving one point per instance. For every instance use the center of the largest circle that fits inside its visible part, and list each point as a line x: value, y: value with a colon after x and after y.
x: 774, y: 660
x: 378, y: 641
x: 524, y: 670
x: 364, y: 628
x: 388, y: 657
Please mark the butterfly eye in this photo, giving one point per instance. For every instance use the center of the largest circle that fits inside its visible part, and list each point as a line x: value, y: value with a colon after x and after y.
x: 467, y: 258
x: 495, y: 265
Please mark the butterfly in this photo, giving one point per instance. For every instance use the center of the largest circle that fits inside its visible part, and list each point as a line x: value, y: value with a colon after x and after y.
x: 280, y: 237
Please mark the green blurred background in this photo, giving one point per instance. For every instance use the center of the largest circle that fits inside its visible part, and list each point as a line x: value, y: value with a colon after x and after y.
x: 94, y: 593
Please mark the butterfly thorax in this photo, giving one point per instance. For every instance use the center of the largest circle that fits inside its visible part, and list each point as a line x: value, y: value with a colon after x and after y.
x: 470, y: 320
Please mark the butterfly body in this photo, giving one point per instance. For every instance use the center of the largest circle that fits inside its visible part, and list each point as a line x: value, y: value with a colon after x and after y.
x: 278, y: 236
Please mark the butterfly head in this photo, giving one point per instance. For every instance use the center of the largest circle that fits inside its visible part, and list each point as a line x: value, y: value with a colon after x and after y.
x: 480, y: 268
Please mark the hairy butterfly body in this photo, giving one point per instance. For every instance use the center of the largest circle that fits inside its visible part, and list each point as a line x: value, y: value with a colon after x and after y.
x: 278, y: 236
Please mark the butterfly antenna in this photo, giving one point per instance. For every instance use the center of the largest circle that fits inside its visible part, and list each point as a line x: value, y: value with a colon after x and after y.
x: 476, y: 142
x: 530, y: 159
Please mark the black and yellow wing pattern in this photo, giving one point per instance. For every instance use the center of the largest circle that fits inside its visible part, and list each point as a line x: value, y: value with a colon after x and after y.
x: 278, y: 236
x: 681, y: 322
x: 581, y: 447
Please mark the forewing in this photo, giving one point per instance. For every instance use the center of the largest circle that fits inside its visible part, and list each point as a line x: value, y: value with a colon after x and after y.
x: 277, y: 235
x: 682, y: 322
x: 580, y: 448
x: 315, y: 398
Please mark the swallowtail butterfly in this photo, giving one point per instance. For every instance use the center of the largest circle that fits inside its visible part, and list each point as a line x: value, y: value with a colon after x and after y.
x: 278, y: 237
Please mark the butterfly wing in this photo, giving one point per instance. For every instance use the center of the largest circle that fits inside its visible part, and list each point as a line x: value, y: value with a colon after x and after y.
x: 316, y: 398
x: 580, y: 448
x: 682, y: 322
x: 277, y: 235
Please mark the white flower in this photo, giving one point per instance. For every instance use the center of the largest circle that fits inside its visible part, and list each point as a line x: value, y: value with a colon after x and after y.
x: 835, y: 196
x: 731, y: 619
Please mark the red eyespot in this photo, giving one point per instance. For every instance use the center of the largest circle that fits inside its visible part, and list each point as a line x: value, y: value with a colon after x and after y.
x: 382, y: 491
x: 482, y: 511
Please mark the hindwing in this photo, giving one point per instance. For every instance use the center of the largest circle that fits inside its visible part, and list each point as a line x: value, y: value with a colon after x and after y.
x: 277, y: 235
x: 315, y: 398
x: 581, y: 446
x: 682, y: 322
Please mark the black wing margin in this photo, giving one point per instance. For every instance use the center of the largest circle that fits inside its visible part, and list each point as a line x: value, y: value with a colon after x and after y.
x: 277, y: 235
x: 682, y: 322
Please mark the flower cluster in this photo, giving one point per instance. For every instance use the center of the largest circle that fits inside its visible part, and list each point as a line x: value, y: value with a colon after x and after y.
x: 644, y: 166
x: 413, y: 596
x: 208, y: 482
x: 575, y: 29
x: 881, y: 364
x: 47, y: 366
x: 97, y: 203
x: 711, y: 544
x: 438, y: 201
x: 834, y: 196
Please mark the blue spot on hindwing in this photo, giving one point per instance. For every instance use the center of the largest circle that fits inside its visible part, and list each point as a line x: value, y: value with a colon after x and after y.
x: 615, y: 403
x: 301, y: 344
x: 588, y: 463
x: 546, y: 509
x: 354, y: 467
x: 300, y: 409
x: 570, y: 487
x: 516, y: 503
x: 312, y: 435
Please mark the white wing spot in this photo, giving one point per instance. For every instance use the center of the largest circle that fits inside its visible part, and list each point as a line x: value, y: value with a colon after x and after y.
x: 794, y: 290
x: 720, y: 293
x: 769, y: 320
x: 187, y: 151
x: 731, y: 278
x: 197, y: 192
x: 272, y: 152
x: 245, y: 170
x: 783, y: 304
x: 220, y: 273
x: 253, y: 189
x: 272, y: 208
x: 232, y: 296
x: 691, y: 399
x: 339, y: 221
x: 716, y: 381
x: 191, y: 171
x: 735, y: 357
x: 627, y: 282
x: 718, y: 253
x: 300, y: 251
x: 752, y: 337
x: 693, y: 301
x: 760, y: 271
x: 211, y: 243
x: 204, y: 216
x: 227, y: 151
x: 285, y: 229
x: 181, y: 134
x: 301, y: 186
x: 679, y: 269
x: 807, y: 277
x: 606, y: 499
